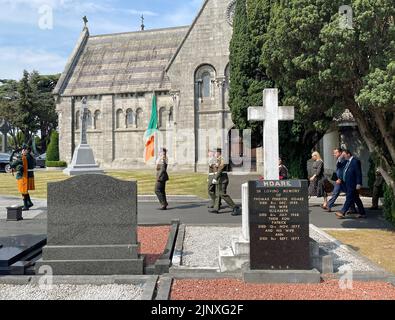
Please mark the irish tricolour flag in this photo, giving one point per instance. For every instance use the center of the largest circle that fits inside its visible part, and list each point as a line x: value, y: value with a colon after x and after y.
x: 149, y: 136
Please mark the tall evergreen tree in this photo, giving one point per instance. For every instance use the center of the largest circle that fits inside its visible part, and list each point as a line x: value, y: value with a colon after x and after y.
x: 247, y: 80
x: 26, y: 120
x: 290, y: 57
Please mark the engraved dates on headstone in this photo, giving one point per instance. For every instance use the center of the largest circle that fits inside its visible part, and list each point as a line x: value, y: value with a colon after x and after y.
x: 279, y: 225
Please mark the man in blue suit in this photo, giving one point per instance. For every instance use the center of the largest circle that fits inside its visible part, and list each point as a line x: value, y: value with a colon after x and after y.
x: 352, y: 178
x: 339, y: 186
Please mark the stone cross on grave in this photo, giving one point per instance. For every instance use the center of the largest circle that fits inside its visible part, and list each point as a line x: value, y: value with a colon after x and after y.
x: 270, y: 114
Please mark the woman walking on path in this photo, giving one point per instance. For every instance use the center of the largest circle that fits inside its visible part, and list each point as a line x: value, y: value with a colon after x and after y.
x: 316, y: 187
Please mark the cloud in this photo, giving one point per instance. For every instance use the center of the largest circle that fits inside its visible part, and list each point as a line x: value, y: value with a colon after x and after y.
x: 75, y: 5
x: 144, y: 12
x: 13, y: 60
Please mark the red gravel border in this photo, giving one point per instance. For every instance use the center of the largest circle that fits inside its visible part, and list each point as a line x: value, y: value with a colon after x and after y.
x: 231, y: 289
x: 153, y: 241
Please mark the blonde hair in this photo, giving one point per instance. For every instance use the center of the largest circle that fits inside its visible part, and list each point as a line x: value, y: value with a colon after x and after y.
x: 315, y: 153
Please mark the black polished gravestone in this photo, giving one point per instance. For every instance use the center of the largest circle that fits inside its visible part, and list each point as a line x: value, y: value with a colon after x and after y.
x: 19, y: 253
x: 279, y: 225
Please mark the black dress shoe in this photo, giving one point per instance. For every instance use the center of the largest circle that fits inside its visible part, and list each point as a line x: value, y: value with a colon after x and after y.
x: 162, y: 208
x: 25, y: 209
x: 236, y: 211
x: 213, y: 211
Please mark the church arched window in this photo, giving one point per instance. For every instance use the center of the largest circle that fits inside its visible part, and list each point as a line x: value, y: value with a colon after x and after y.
x: 204, y: 78
x: 89, y: 121
x: 97, y: 120
x: 119, y: 119
x: 171, y: 116
x: 130, y: 119
x: 77, y: 120
x: 139, y: 118
x: 162, y: 118
x: 227, y: 75
x: 206, y: 85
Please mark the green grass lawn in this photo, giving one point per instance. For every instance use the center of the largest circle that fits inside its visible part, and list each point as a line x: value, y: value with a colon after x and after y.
x: 179, y: 183
x: 377, y: 245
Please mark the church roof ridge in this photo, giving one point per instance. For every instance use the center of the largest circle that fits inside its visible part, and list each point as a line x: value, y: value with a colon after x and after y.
x: 139, y: 31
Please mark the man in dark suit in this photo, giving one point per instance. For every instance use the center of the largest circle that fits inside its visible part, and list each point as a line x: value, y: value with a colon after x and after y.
x: 352, y: 178
x: 161, y: 178
x: 339, y: 186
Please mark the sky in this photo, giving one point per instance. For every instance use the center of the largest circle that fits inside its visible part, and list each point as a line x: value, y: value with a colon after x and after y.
x: 41, y: 34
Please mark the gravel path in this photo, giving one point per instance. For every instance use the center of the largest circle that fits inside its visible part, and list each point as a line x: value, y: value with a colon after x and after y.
x: 201, y: 245
x: 201, y: 248
x: 153, y: 241
x: 231, y: 289
x: 71, y: 292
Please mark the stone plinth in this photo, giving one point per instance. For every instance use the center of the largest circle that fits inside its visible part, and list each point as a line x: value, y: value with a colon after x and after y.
x: 83, y: 162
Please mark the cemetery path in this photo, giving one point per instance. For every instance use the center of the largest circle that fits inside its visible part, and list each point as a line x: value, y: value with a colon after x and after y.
x: 188, y: 212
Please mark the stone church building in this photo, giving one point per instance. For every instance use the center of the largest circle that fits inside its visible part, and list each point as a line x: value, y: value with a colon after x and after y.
x: 187, y: 68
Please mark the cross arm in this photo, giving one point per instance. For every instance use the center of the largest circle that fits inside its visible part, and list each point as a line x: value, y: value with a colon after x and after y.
x: 259, y: 113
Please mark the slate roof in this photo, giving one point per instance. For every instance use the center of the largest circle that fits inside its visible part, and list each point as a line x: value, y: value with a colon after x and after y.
x: 120, y: 63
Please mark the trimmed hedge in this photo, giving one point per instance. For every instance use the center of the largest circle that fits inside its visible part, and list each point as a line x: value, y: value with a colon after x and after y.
x: 55, y: 164
x: 389, y: 205
x: 53, y: 147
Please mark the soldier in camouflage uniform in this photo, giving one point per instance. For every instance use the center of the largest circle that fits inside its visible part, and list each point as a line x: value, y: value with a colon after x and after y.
x: 221, y: 181
x: 161, y: 178
x: 24, y: 167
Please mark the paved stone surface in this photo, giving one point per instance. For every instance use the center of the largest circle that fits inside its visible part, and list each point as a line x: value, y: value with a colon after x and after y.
x: 40, y: 206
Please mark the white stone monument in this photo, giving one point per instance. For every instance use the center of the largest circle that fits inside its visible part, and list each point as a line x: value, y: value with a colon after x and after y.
x: 234, y: 257
x: 83, y: 161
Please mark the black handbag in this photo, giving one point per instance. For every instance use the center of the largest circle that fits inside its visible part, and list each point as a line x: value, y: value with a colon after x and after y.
x: 328, y: 186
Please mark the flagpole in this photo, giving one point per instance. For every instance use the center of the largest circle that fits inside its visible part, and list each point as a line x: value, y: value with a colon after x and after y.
x: 156, y: 143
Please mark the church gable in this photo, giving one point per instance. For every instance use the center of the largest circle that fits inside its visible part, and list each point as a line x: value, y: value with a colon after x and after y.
x: 208, y: 38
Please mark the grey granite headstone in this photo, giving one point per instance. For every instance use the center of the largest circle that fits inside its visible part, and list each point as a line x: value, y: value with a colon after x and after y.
x: 92, y: 227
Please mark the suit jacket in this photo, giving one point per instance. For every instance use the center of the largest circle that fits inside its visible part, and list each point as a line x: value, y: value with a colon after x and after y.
x: 353, y: 174
x: 340, y: 165
x: 161, y: 170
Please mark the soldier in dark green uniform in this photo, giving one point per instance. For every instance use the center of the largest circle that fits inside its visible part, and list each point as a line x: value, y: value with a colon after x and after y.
x: 211, y: 172
x: 161, y: 178
x: 377, y: 190
x: 221, y: 181
x: 24, y: 167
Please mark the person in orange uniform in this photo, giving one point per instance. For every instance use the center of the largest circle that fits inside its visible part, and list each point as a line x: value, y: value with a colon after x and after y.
x: 24, y: 168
